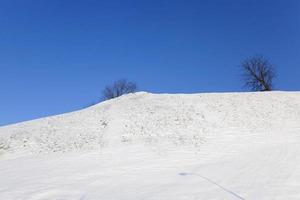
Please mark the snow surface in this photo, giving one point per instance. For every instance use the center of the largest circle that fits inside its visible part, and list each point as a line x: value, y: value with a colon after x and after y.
x: 159, y: 147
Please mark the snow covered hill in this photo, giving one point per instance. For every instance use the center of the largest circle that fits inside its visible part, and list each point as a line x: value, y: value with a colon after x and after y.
x: 159, y: 146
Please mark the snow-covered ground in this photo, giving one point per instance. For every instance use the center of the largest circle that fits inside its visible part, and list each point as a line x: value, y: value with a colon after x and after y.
x: 160, y: 147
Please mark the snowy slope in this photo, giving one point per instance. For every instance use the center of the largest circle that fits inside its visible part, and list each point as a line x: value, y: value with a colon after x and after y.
x: 159, y: 146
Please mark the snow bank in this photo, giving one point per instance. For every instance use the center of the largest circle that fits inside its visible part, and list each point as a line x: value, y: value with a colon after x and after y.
x: 179, y: 119
x: 233, y: 146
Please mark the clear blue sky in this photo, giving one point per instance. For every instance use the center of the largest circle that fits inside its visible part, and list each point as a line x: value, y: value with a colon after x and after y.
x: 57, y: 55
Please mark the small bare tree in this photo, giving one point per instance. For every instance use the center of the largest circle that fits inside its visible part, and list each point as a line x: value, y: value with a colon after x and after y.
x: 118, y: 88
x: 258, y: 74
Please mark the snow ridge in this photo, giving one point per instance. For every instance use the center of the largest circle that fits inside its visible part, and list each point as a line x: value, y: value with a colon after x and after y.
x: 142, y: 117
x: 159, y: 146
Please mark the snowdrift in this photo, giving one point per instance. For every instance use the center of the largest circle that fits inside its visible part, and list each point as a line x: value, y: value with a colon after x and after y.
x: 159, y: 146
x: 155, y: 118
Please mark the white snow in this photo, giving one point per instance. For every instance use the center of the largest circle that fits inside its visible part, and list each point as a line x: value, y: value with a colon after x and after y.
x: 159, y: 147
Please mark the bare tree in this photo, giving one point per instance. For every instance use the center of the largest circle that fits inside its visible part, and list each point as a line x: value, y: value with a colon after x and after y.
x: 118, y: 88
x: 258, y: 74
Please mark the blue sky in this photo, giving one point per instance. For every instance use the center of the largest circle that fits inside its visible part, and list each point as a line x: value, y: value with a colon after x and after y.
x: 57, y: 55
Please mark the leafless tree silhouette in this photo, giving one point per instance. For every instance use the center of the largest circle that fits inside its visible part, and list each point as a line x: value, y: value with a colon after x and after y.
x: 118, y: 88
x: 258, y: 74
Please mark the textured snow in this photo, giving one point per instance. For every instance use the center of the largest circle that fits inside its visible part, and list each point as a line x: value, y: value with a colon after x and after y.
x: 159, y: 146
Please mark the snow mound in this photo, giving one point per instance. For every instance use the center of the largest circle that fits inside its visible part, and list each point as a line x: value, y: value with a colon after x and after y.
x: 155, y: 119
x: 233, y: 146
